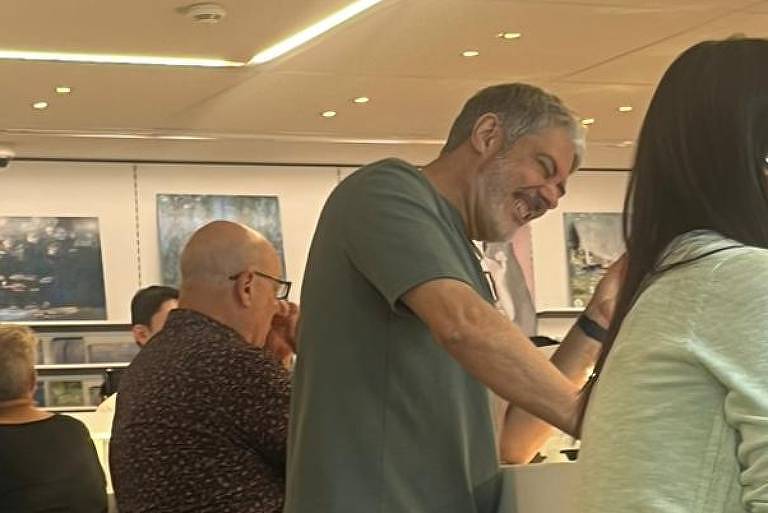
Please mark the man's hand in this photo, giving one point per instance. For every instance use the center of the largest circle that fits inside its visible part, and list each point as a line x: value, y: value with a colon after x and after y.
x: 600, y: 308
x: 282, y: 335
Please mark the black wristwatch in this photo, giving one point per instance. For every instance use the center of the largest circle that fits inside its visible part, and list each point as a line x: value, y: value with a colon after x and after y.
x: 592, y: 329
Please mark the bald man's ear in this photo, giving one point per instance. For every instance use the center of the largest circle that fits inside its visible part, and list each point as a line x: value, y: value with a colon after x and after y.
x: 487, y: 137
x: 243, y: 289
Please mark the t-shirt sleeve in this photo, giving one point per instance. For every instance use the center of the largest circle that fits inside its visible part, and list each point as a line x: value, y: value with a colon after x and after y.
x: 395, y: 235
x: 735, y: 349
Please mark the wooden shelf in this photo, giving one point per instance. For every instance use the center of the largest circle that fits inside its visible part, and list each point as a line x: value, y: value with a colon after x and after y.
x: 79, y: 366
x: 62, y: 409
x: 565, y: 313
x: 71, y: 327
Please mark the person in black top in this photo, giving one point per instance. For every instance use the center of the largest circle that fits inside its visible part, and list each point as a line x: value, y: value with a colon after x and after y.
x: 47, y: 462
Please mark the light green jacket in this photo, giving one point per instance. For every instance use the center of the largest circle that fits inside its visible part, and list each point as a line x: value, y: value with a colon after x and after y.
x: 679, y: 419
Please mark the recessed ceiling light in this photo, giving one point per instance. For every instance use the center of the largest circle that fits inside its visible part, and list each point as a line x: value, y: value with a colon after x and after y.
x: 588, y: 121
x: 63, y: 89
x: 625, y: 108
x: 40, y: 105
x: 361, y: 99
x: 311, y: 32
x: 508, y: 36
x: 329, y: 114
x: 470, y: 53
x: 101, y: 58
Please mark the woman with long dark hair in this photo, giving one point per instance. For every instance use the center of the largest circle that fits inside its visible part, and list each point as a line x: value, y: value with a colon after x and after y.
x: 677, y: 420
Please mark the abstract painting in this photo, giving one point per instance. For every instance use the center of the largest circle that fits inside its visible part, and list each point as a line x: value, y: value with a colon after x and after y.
x: 593, y: 242
x: 51, y: 269
x: 179, y: 215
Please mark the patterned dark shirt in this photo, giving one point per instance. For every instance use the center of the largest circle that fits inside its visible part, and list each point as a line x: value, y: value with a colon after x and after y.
x: 201, y: 424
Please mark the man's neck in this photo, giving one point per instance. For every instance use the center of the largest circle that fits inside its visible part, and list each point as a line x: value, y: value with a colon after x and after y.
x: 217, y: 311
x: 451, y: 175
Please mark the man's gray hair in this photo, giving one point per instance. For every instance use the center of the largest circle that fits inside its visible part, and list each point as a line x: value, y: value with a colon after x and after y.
x: 18, y: 353
x: 523, y: 109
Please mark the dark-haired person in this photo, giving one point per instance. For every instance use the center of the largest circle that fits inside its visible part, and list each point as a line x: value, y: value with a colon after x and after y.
x: 677, y: 421
x: 149, y: 310
x: 399, y: 336
x: 47, y: 461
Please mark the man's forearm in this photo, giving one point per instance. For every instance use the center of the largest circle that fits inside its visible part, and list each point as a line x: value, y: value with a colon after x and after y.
x: 495, y: 351
x: 523, y: 434
x: 502, y: 358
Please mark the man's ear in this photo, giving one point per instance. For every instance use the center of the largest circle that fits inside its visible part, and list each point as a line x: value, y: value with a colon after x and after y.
x: 243, y: 286
x: 140, y: 334
x: 487, y: 136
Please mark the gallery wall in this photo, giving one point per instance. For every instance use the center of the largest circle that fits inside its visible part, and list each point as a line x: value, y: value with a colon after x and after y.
x: 123, y: 197
x: 587, y: 192
x: 65, y: 189
x: 301, y: 191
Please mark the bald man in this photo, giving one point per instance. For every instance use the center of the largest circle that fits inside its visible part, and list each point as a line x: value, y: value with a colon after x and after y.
x: 203, y: 411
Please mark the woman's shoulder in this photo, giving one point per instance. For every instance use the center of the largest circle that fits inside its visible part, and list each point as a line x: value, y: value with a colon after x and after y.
x: 65, y: 423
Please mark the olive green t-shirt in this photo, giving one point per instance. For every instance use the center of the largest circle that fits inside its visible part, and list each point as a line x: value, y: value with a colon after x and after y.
x: 383, y: 420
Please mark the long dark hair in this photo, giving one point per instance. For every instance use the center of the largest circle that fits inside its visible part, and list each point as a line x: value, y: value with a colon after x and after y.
x: 700, y: 162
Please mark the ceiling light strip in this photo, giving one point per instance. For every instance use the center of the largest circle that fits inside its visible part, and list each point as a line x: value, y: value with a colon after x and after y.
x: 309, y: 33
x: 99, y: 58
x: 219, y: 136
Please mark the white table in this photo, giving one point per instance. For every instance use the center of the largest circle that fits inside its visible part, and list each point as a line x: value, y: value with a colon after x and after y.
x: 539, y: 488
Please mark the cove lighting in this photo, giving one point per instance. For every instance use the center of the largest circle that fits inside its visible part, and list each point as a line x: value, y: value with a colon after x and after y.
x: 100, y: 58
x: 313, y: 31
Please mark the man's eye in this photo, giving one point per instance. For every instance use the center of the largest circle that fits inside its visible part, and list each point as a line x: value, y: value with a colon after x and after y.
x: 549, y: 171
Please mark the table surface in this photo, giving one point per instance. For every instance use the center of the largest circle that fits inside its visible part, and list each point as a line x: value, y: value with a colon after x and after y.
x: 539, y: 488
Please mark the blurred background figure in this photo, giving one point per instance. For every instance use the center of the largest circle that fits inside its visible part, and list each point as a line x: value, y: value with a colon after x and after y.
x: 149, y: 310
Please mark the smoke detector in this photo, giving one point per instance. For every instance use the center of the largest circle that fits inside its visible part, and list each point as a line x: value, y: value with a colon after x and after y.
x: 208, y: 13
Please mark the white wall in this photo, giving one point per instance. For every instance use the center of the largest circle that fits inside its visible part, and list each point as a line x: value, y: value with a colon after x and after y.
x: 129, y: 228
x: 587, y: 191
x: 302, y: 191
x: 63, y: 189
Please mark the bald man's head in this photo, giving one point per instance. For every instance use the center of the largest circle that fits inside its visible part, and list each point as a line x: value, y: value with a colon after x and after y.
x: 230, y: 273
x: 221, y: 249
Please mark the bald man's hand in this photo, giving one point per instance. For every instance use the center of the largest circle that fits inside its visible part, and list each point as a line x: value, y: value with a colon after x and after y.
x: 282, y: 334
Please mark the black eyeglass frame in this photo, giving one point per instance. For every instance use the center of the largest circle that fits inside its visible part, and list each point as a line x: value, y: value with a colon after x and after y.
x: 279, y: 293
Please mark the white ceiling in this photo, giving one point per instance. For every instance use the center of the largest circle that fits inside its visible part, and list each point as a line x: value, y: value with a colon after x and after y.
x: 404, y: 54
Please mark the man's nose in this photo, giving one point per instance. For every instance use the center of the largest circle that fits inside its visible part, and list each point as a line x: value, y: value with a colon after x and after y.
x: 551, y: 194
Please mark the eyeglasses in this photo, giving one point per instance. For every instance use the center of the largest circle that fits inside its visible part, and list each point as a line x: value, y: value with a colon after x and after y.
x: 281, y: 291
